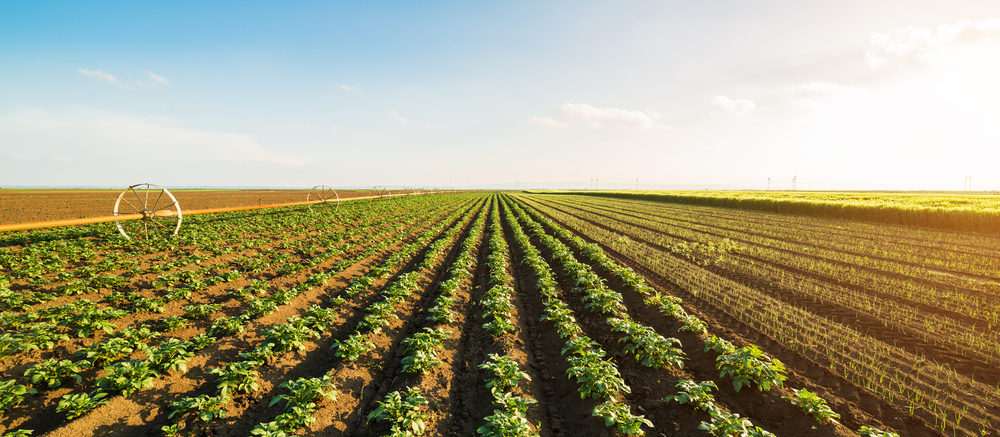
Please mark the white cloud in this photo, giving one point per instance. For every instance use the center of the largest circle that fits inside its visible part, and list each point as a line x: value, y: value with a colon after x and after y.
x: 59, y: 158
x: 606, y: 117
x: 733, y: 106
x: 811, y: 93
x: 100, y: 75
x: 395, y: 116
x: 157, y: 79
x: 346, y: 87
x: 127, y: 135
x: 545, y: 122
x: 919, y: 45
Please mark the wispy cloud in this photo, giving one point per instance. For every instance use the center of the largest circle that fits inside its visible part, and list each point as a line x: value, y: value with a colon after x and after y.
x: 346, y: 87
x: 597, y: 117
x: 733, y: 106
x: 157, y: 79
x: 100, y: 75
x: 546, y: 122
x: 160, y: 138
x: 395, y: 116
x: 922, y: 44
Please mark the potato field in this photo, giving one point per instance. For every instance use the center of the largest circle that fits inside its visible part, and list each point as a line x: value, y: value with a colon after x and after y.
x: 501, y: 314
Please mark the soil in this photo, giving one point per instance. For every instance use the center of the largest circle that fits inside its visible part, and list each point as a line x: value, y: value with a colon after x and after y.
x: 19, y: 206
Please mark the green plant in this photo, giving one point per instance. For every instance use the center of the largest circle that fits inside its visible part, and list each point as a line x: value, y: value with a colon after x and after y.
x: 352, y: 347
x: 236, y: 377
x: 725, y: 424
x: 170, y: 356
x: 748, y: 365
x: 224, y: 326
x: 697, y: 394
x: 303, y: 391
x: 128, y: 377
x: 620, y: 415
x: 813, y: 405
x: 290, y: 335
x: 206, y: 407
x: 404, y: 415
x: 12, y: 393
x: 75, y: 405
x: 173, y: 323
x: 107, y: 351
x: 420, y: 348
x: 202, y: 311
x: 509, y: 420
x: 506, y: 373
x: 54, y: 372
x: 875, y: 432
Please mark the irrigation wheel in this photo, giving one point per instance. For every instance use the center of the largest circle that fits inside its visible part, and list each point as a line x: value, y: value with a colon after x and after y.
x: 378, y: 192
x: 159, y: 210
x: 325, y: 195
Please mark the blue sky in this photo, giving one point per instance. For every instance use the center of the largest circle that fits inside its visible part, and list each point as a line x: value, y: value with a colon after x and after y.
x: 850, y: 94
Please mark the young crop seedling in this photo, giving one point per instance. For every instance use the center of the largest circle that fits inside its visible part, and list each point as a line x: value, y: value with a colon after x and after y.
x: 725, y: 424
x: 748, y: 365
x: 619, y: 415
x: 12, y: 393
x: 506, y: 373
x: 697, y: 394
x: 404, y: 414
x: 75, y: 405
x: 206, y: 408
x: 128, y: 377
x: 54, y: 372
x: 866, y: 431
x: 237, y: 377
x: 510, y: 418
x: 813, y: 405
x: 421, y: 350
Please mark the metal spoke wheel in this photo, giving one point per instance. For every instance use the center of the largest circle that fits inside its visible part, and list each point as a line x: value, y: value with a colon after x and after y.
x: 150, y: 211
x: 325, y: 195
x: 378, y: 192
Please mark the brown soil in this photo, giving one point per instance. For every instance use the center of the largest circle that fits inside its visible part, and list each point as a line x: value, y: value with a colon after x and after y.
x: 18, y: 206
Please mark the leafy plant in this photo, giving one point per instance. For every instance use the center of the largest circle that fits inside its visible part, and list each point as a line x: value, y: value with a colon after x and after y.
x: 206, y: 408
x: 506, y: 373
x: 107, y: 351
x: 509, y: 420
x: 748, y: 365
x: 725, y: 424
x: 170, y: 356
x: 813, y: 405
x: 202, y: 311
x: 303, y: 391
x: 54, y: 372
x: 128, y: 377
x: 875, y: 432
x: 75, y: 405
x: 239, y: 377
x: 697, y: 394
x: 352, y: 347
x: 620, y: 415
x: 404, y: 415
x: 12, y: 393
x: 290, y: 335
x: 173, y: 323
x: 227, y: 326
x: 420, y: 348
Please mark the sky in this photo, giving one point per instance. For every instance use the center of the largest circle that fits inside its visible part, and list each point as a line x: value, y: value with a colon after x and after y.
x: 515, y: 94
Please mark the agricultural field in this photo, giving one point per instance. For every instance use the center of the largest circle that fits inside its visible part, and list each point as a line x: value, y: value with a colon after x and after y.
x: 501, y: 314
x: 964, y: 211
x: 27, y: 205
